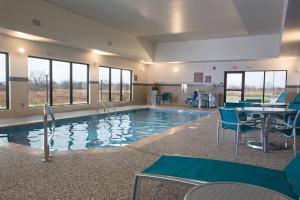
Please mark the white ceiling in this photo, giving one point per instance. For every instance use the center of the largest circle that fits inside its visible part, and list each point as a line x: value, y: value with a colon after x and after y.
x: 181, y: 20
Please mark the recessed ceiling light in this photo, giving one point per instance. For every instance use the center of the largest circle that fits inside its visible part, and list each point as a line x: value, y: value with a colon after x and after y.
x: 21, y: 50
x: 103, y: 53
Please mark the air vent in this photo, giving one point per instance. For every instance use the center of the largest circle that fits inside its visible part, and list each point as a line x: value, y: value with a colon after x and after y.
x: 36, y: 22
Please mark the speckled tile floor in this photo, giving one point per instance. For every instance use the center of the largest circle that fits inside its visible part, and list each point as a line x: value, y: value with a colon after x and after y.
x: 105, y: 174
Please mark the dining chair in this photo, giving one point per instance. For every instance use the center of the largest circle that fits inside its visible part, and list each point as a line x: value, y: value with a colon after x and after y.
x: 290, y: 129
x: 229, y: 120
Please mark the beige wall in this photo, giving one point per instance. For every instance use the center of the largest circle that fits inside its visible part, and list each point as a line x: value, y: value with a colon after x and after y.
x: 18, y: 68
x: 165, y: 73
x: 170, y: 76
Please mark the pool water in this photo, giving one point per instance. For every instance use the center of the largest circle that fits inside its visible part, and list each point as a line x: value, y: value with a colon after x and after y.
x: 100, y: 131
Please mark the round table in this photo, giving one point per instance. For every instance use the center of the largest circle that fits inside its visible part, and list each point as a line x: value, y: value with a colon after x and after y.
x: 232, y: 191
x: 268, y: 113
x: 275, y: 105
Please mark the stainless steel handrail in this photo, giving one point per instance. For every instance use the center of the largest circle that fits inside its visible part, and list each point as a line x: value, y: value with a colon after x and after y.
x: 104, y: 107
x: 48, y: 111
x: 112, y: 106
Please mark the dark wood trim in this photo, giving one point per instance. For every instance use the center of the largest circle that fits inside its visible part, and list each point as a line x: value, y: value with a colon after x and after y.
x: 51, y: 83
x: 7, y: 81
x: 88, y: 85
x: 94, y: 82
x: 20, y: 79
x: 71, y: 83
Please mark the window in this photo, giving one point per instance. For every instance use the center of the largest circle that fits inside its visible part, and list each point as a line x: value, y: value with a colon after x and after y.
x: 183, y: 88
x: 275, y: 83
x: 255, y: 86
x: 104, y: 82
x: 80, y: 83
x: 68, y: 82
x: 234, y: 86
x: 115, y: 84
x: 38, y: 69
x: 126, y: 85
x: 60, y: 82
x: 4, y: 101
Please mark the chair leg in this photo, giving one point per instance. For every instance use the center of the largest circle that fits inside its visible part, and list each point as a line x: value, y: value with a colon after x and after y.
x: 294, y: 146
x: 237, y: 142
x: 218, y: 132
x: 285, y: 142
x: 223, y: 132
x: 136, y: 187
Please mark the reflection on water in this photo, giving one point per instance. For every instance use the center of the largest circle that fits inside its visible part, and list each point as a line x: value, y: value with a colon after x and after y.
x: 100, y: 132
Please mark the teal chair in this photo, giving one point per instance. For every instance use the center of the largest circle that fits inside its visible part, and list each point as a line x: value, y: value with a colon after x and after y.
x: 166, y: 98
x: 288, y: 129
x: 282, y: 97
x: 296, y: 99
x: 195, y: 171
x: 294, y: 106
x: 229, y: 120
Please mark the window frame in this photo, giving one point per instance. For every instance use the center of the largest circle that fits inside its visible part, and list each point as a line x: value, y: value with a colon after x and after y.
x: 7, y: 106
x: 121, y: 83
x: 243, y: 81
x: 87, y: 84
x: 70, y: 78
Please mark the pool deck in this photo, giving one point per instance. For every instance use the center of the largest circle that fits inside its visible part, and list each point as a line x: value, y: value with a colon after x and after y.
x: 108, y: 173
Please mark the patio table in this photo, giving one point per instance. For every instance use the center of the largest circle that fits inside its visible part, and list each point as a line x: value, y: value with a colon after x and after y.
x: 267, y: 113
x: 275, y: 105
x: 232, y: 191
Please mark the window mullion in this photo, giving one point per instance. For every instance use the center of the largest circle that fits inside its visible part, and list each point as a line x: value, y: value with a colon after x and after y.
x: 71, y: 83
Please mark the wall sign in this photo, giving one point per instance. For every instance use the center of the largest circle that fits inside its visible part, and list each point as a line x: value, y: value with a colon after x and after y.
x: 135, y: 78
x: 198, y: 77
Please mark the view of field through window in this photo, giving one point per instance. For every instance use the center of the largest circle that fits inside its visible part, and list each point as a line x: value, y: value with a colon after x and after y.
x: 104, y: 83
x: 37, y: 71
x: 115, y: 84
x: 38, y: 68
x: 80, y: 83
x: 126, y: 85
x: 259, y: 86
x: 112, y: 81
x: 3, y: 80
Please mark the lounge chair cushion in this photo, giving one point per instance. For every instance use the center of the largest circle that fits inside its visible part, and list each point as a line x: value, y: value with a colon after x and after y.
x: 292, y: 172
x: 221, y: 171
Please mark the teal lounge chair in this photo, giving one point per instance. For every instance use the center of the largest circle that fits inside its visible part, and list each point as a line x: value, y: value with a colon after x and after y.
x: 195, y: 171
x: 296, y: 99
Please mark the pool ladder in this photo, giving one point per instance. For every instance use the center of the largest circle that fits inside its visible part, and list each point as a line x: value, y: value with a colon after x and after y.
x: 48, y: 111
x: 106, y: 108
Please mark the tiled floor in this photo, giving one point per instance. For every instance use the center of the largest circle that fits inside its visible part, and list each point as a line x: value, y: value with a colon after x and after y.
x: 108, y: 174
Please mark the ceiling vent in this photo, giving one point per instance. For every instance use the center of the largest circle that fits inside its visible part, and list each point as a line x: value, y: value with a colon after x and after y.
x: 36, y: 22
x: 109, y: 43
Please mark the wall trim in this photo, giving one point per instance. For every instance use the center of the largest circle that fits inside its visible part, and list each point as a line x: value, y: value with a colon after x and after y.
x: 142, y: 84
x: 94, y: 82
x: 292, y: 86
x: 14, y: 78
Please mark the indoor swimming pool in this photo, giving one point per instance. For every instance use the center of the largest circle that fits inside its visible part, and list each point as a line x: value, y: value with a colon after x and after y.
x: 101, y: 131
